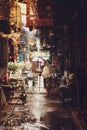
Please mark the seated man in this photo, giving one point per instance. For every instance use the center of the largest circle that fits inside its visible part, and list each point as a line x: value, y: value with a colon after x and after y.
x: 70, y: 88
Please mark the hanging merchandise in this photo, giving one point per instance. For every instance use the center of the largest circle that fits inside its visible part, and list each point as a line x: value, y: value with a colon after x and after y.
x: 15, y: 15
x: 11, y: 13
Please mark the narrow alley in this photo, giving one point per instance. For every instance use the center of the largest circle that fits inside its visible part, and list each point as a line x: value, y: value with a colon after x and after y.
x: 43, y: 65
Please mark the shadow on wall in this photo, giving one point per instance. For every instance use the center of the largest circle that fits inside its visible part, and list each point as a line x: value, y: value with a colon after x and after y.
x: 3, y: 56
x: 4, y: 26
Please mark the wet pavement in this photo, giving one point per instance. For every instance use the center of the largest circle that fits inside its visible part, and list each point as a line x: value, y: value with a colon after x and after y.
x: 38, y: 113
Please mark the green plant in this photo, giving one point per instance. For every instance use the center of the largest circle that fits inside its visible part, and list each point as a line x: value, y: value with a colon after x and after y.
x: 12, y: 66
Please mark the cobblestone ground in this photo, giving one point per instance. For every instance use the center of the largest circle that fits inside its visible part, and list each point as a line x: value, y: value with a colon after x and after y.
x: 39, y: 113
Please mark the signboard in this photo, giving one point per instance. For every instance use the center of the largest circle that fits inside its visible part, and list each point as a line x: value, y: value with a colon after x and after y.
x: 40, y: 22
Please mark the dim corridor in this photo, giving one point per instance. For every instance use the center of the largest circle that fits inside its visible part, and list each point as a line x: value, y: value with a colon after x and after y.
x: 37, y: 113
x: 31, y: 40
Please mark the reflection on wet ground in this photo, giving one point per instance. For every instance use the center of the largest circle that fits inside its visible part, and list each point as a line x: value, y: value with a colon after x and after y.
x: 39, y: 113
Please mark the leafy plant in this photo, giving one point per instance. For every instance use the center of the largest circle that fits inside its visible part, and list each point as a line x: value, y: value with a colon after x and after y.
x: 12, y: 66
